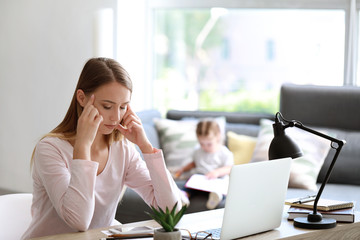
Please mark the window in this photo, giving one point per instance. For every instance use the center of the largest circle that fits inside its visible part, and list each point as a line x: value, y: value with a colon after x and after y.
x: 237, y: 59
x: 233, y: 55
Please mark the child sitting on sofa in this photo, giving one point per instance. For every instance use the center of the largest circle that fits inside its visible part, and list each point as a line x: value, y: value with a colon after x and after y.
x: 212, y: 158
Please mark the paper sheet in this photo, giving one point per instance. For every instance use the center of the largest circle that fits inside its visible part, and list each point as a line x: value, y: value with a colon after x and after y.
x: 201, y: 182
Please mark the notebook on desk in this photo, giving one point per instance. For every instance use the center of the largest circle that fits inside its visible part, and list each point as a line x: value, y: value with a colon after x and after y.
x: 255, y: 199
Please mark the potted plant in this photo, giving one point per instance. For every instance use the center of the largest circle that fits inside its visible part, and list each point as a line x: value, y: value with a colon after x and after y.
x: 168, y: 220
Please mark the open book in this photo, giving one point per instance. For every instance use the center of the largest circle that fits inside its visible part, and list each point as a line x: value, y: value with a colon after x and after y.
x: 202, y: 183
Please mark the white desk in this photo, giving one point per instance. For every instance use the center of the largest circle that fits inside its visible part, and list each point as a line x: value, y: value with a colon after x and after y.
x: 213, y: 219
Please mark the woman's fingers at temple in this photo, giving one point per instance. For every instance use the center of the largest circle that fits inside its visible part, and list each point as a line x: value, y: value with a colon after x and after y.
x: 129, y: 117
x: 129, y: 120
x: 89, y: 106
x: 88, y: 123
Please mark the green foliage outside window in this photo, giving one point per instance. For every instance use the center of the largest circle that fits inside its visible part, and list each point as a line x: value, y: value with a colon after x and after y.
x: 185, y: 67
x: 240, y: 101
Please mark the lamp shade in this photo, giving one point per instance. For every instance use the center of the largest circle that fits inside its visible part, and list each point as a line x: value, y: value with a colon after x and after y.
x: 282, y: 146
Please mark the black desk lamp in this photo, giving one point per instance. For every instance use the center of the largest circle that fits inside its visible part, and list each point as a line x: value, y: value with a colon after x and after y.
x: 282, y: 146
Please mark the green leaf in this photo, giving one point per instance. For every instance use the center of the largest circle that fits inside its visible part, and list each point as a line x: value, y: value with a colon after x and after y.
x: 167, y: 219
x: 161, y: 211
x: 179, y: 215
x: 155, y: 211
x: 171, y: 221
x: 167, y: 227
x: 174, y: 209
x: 157, y: 219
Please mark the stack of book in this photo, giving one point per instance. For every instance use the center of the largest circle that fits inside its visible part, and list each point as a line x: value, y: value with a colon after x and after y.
x: 341, y: 211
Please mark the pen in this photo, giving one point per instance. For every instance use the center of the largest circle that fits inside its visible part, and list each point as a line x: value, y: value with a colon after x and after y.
x: 305, y: 199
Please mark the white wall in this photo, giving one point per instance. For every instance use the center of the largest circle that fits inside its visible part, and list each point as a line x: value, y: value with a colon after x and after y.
x: 43, y: 47
x: 134, y: 49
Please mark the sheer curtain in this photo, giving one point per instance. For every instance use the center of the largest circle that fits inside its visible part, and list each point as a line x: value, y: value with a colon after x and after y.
x: 352, y: 45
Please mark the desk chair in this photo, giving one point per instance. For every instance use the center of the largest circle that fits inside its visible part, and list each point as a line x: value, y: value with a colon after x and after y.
x: 15, y: 215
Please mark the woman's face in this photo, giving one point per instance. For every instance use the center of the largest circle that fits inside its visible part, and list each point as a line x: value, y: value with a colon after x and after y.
x: 111, y: 100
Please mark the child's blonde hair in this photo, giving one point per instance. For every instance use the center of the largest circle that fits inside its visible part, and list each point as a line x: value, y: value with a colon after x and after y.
x: 207, y: 126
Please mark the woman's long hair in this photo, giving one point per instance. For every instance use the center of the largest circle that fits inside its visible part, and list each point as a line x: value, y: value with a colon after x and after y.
x: 96, y: 73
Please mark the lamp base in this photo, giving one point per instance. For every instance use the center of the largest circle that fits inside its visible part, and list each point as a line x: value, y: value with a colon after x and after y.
x: 324, y: 223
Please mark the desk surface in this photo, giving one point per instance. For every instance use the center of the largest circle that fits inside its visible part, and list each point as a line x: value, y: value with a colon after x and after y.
x: 213, y: 219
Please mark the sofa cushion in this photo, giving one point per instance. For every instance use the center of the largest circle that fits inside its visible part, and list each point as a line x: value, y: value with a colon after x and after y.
x: 241, y: 146
x: 177, y: 140
x: 335, y: 109
x: 305, y: 169
x: 346, y: 169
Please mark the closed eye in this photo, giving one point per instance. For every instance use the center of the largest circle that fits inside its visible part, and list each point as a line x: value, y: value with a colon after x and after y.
x: 123, y: 107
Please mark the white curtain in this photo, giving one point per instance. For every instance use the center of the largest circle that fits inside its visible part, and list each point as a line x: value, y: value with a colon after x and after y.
x: 352, y: 45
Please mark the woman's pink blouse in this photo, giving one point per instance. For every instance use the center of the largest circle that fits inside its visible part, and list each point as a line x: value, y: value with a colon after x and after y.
x: 69, y: 196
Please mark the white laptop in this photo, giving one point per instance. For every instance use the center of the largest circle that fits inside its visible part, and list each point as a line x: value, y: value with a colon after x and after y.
x: 255, y: 199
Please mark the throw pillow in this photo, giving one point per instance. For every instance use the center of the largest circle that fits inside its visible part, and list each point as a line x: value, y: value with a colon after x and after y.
x: 241, y: 146
x: 305, y: 169
x: 178, y: 139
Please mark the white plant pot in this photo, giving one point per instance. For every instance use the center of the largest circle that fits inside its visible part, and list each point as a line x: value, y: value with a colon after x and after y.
x: 161, y: 234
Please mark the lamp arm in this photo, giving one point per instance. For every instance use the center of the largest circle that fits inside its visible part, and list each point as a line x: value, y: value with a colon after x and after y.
x: 337, y: 147
x: 301, y: 126
x: 327, y: 176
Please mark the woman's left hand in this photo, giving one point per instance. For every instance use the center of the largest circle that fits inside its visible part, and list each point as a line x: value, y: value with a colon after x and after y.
x: 133, y: 130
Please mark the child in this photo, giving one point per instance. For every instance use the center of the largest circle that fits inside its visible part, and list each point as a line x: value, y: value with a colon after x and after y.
x: 212, y: 159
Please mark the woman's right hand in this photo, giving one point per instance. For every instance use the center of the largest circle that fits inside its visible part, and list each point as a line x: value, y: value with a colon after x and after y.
x: 87, y: 128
